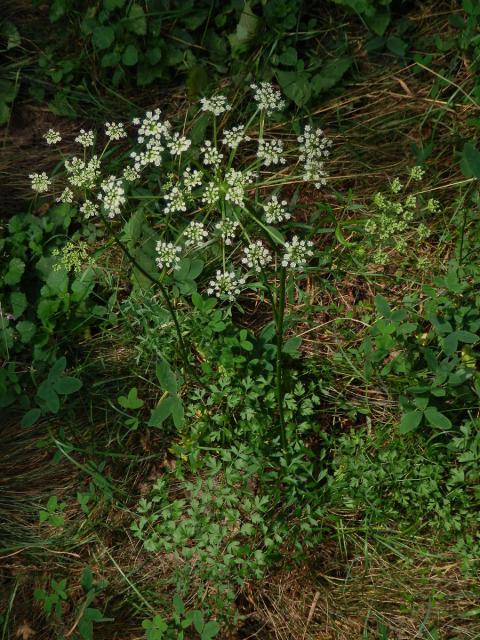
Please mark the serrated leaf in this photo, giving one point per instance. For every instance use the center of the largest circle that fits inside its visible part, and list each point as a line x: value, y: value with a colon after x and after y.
x: 247, y: 27
x: 16, y: 267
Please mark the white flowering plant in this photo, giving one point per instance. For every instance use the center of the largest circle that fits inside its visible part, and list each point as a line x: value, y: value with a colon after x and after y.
x: 212, y: 197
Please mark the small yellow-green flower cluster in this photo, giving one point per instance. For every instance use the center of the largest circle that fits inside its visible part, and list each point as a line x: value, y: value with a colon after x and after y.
x: 73, y: 256
x: 396, y: 219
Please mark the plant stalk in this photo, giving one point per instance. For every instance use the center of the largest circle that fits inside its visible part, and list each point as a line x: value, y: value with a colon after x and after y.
x: 279, y: 317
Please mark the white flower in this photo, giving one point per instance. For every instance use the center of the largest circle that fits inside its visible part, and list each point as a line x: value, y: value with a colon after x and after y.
x: 40, y: 182
x: 85, y: 138
x: 191, y: 179
x: 151, y: 155
x: 216, y: 105
x: 228, y: 229
x: 178, y: 144
x: 115, y: 130
x: 226, y: 285
x: 237, y: 182
x: 276, y: 211
x: 167, y: 255
x: 66, y: 196
x: 113, y: 196
x: 83, y: 174
x: 52, y: 136
x: 211, y: 194
x: 314, y: 144
x: 297, y: 253
x: 195, y: 234
x: 130, y: 174
x: 175, y: 200
x: 267, y: 97
x: 89, y: 209
x: 270, y: 152
x: 211, y: 156
x: 313, y: 171
x: 256, y: 256
x: 151, y: 126
x: 234, y: 136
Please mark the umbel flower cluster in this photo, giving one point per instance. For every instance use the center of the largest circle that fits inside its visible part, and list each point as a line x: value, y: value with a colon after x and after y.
x: 225, y: 197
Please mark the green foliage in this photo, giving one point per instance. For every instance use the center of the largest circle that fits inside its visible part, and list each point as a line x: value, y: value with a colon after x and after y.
x: 157, y: 628
x: 53, y: 514
x: 435, y: 345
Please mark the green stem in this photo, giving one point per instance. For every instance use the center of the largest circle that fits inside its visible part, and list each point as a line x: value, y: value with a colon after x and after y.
x: 279, y: 316
x: 162, y: 288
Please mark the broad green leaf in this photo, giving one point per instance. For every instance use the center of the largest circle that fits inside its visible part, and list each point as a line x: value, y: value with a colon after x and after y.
x: 382, y: 306
x: 330, y: 74
x: 31, y: 417
x: 166, y: 377
x: 210, y: 630
x: 295, y: 85
x: 18, y: 301
x: 470, y: 161
x: 131, y: 401
x: 291, y: 345
x: 66, y: 385
x: 379, y: 21
x: 47, y: 393
x: 436, y: 418
x: 289, y: 57
x: 103, y: 37
x: 177, y: 412
x: 410, y: 421
x: 130, y: 55
x: 58, y: 368
x: 247, y: 27
x: 26, y: 329
x: 161, y: 412
x: 16, y: 267
x: 137, y: 22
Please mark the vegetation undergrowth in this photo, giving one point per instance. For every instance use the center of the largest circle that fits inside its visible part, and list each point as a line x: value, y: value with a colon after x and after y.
x: 240, y: 381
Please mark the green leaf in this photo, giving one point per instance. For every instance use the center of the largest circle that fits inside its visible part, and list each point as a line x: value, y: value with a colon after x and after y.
x: 436, y: 418
x: 198, y: 621
x: 103, y: 37
x: 470, y: 161
x: 132, y: 401
x: 130, y: 56
x: 382, y: 306
x: 410, y: 421
x: 379, y: 21
x: 16, y: 267
x: 289, y: 57
x: 110, y: 5
x: 26, y: 329
x: 331, y: 74
x: 161, y: 412
x: 177, y: 412
x: 397, y: 46
x: 47, y: 393
x: 210, y: 630
x: 31, y: 417
x: 291, y: 345
x: 57, y: 368
x: 295, y: 85
x: 137, y: 22
x: 67, y: 385
x: 18, y: 301
x: 166, y: 377
x: 247, y: 27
